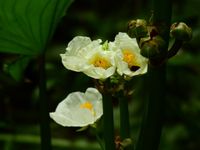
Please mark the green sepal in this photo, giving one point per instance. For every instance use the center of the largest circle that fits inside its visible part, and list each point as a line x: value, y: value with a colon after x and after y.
x: 82, y: 129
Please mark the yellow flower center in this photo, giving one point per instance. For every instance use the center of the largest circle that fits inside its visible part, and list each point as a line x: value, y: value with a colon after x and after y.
x: 99, y: 61
x: 87, y: 105
x: 130, y: 59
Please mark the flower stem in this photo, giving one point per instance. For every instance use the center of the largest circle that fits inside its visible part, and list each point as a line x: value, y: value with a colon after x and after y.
x: 100, y: 141
x: 45, y: 132
x: 124, y: 119
x: 108, y: 122
x: 174, y: 49
x: 151, y: 128
x: 150, y: 132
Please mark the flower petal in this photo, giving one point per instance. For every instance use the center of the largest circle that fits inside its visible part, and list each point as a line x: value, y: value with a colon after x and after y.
x: 77, y: 43
x: 123, y: 41
x: 98, y: 71
x: 79, y: 49
x: 128, y: 59
x: 74, y: 63
x: 79, y: 109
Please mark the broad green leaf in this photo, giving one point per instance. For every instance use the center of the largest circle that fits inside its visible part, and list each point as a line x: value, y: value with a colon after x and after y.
x: 26, y: 26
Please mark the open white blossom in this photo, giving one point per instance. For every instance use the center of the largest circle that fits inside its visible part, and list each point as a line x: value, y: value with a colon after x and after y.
x: 79, y: 109
x: 129, y: 61
x: 89, y: 57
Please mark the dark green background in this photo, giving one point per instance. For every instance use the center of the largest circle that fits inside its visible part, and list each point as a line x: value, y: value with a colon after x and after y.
x: 19, y: 115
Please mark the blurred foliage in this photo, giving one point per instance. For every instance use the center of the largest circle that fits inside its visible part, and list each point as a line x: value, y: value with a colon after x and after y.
x: 102, y: 19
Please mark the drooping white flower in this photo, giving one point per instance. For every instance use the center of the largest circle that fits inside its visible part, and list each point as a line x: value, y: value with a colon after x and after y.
x: 89, y: 57
x: 129, y: 61
x: 79, y: 109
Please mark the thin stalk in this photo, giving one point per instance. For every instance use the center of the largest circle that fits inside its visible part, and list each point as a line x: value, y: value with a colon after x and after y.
x: 100, y: 141
x: 124, y: 119
x: 175, y: 48
x: 45, y: 132
x: 108, y: 122
x: 153, y: 118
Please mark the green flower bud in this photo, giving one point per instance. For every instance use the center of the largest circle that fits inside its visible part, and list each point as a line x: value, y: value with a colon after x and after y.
x: 126, y: 142
x: 105, y: 45
x: 181, y: 31
x: 137, y: 28
x: 152, y: 48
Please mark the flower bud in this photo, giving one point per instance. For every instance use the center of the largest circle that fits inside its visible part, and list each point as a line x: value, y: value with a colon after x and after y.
x: 126, y: 142
x: 181, y: 31
x: 153, y: 48
x: 105, y: 45
x: 137, y: 28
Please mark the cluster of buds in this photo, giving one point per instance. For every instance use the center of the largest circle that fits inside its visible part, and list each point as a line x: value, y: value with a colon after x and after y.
x: 151, y: 42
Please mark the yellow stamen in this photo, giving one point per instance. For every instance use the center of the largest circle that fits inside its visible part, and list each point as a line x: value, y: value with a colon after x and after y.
x: 99, y: 61
x: 129, y: 58
x: 87, y: 105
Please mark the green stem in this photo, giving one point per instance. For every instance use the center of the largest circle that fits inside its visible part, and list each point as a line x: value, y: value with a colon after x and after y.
x: 100, y: 141
x: 154, y: 112
x: 151, y: 128
x: 108, y: 122
x: 45, y: 132
x: 124, y: 119
x: 174, y: 49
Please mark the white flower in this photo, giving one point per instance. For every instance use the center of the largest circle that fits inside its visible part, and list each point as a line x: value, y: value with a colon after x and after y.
x: 79, y: 109
x: 129, y: 61
x: 89, y: 57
